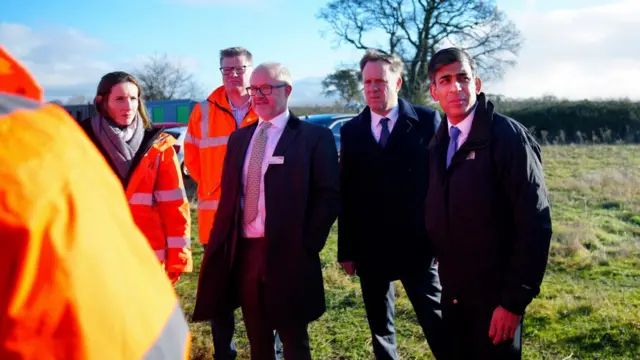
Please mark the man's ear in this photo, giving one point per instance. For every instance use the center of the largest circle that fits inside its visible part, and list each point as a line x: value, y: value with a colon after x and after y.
x: 478, y: 85
x: 432, y: 90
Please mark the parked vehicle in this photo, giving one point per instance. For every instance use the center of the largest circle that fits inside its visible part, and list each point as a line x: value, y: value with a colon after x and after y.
x: 332, y: 121
x: 327, y: 119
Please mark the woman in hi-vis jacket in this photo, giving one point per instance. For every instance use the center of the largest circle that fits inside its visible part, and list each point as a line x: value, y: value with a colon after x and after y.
x: 144, y: 159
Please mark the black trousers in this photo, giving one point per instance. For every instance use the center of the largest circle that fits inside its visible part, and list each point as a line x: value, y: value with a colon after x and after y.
x: 467, y: 328
x: 423, y: 290
x: 222, y: 329
x: 250, y: 275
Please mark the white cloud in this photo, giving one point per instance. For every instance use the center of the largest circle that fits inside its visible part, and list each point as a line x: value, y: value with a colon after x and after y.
x: 580, y: 53
x: 63, y: 60
x: 66, y: 62
x: 584, y: 52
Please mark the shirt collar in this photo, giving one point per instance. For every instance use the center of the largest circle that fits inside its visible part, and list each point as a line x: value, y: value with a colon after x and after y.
x: 465, y: 125
x: 277, y: 122
x: 244, y: 106
x: 392, y: 116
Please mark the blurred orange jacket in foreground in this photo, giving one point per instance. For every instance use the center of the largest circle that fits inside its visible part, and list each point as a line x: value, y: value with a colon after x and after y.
x: 78, y: 279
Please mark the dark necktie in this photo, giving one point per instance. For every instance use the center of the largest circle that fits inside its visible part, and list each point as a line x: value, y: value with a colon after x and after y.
x: 384, y: 134
x: 454, y: 132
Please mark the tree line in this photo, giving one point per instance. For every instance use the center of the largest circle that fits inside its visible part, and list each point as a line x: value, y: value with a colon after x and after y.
x: 415, y: 30
x: 555, y: 121
x: 577, y: 122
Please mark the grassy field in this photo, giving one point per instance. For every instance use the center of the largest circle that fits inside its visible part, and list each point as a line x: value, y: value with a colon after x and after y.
x: 589, y: 307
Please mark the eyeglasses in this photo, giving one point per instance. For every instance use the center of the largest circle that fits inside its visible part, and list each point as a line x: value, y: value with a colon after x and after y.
x: 264, y: 89
x: 237, y: 69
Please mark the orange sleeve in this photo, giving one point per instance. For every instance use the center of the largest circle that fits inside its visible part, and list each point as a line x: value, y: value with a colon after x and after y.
x: 173, y: 206
x: 191, y: 144
x: 70, y: 252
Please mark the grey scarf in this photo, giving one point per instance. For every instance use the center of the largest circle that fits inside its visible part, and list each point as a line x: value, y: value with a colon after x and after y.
x: 121, y: 143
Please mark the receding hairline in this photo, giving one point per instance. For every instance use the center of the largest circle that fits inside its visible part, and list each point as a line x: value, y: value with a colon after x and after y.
x: 276, y: 70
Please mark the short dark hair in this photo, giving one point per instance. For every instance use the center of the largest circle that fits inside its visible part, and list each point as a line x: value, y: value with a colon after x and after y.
x: 449, y: 56
x: 397, y: 65
x: 236, y: 51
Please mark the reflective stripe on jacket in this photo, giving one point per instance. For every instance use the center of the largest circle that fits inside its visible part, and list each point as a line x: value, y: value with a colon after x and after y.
x: 210, y: 124
x: 160, y: 206
x: 156, y: 195
x: 77, y: 277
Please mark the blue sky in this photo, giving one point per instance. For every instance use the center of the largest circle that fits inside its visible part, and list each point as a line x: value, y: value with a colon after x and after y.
x: 64, y: 45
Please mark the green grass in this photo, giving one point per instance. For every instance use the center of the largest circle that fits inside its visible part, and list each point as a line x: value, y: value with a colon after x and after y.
x: 589, y: 306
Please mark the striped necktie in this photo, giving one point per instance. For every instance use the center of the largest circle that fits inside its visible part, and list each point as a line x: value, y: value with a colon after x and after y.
x: 254, y: 174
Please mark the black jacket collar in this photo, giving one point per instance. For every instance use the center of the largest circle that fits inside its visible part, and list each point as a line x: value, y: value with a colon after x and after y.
x: 480, y: 133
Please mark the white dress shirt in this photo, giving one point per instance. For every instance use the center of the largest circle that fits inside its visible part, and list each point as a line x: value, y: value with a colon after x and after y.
x: 464, y: 126
x: 376, y: 127
x: 255, y: 228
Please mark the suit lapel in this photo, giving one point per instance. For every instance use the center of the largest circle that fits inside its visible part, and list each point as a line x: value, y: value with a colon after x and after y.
x: 245, y: 139
x: 402, y: 126
x: 438, y: 145
x: 365, y: 128
x: 480, y: 133
x: 245, y: 134
x: 407, y: 120
x: 288, y: 134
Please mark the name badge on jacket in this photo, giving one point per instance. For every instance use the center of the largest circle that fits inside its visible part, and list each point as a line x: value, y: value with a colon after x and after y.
x: 276, y: 160
x: 471, y: 156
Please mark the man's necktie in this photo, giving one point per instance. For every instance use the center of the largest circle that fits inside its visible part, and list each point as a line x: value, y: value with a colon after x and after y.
x: 254, y: 174
x: 454, y: 132
x: 384, y: 134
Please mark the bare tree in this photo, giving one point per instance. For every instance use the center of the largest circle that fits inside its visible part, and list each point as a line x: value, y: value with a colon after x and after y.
x: 345, y: 83
x: 416, y: 29
x: 163, y: 79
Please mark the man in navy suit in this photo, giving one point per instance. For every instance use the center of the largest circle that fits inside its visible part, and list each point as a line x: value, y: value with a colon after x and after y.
x: 487, y: 214
x: 384, y: 179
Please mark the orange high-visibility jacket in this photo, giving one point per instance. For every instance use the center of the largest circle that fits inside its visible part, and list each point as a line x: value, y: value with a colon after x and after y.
x: 77, y: 277
x: 156, y: 195
x: 205, y: 145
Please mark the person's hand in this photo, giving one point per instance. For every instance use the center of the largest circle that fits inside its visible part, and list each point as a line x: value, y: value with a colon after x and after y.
x: 503, y: 325
x: 174, y: 276
x: 349, y: 267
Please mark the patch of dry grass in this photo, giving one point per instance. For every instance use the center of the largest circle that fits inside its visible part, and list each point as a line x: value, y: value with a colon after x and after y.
x: 589, y: 306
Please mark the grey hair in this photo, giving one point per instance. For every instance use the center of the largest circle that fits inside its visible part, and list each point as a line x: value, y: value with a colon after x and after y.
x: 277, y: 71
